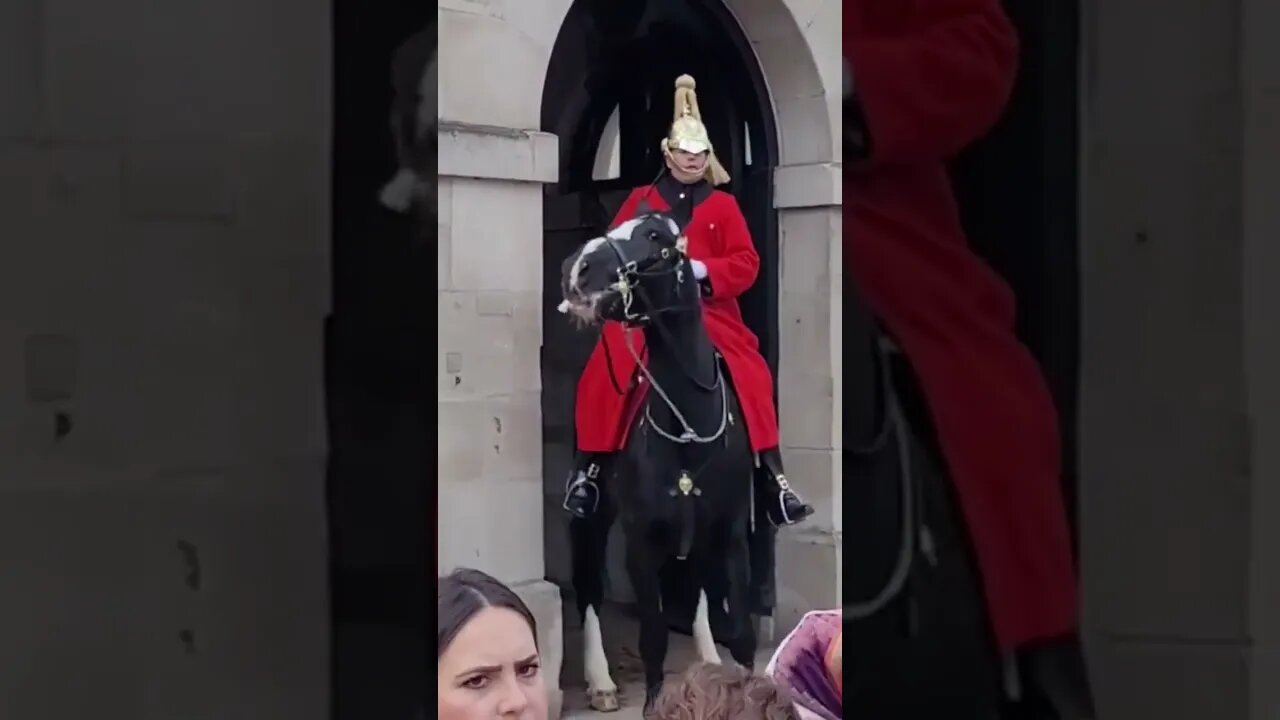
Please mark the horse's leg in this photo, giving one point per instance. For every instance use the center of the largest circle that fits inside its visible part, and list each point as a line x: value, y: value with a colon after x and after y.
x: 742, y: 644
x: 643, y: 565
x: 702, y: 636
x: 589, y: 540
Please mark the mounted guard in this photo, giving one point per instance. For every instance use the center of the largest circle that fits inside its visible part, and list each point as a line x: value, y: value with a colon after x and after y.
x: 725, y: 263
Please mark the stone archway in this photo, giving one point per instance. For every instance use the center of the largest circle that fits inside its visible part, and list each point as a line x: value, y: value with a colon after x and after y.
x: 607, y: 97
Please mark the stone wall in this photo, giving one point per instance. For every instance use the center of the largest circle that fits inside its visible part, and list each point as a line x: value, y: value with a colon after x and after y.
x: 1179, y: 422
x: 163, y: 280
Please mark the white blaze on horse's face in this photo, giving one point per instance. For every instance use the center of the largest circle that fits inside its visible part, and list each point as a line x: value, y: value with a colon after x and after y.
x: 584, y: 294
x: 580, y: 304
x: 584, y: 302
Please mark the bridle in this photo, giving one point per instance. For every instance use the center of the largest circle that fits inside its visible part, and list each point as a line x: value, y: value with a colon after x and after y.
x: 630, y: 287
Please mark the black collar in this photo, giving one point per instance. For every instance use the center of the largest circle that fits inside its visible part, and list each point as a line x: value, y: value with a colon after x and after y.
x: 683, y: 198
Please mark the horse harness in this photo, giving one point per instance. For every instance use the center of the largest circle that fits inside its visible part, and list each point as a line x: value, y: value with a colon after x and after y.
x: 628, y: 287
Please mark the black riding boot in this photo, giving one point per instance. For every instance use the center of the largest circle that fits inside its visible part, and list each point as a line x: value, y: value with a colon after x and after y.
x: 785, y: 507
x: 582, y: 489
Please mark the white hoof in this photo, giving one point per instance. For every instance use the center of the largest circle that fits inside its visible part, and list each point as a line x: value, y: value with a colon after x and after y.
x: 603, y: 700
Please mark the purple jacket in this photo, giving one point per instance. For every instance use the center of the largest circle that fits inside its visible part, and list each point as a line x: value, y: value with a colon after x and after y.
x: 800, y: 665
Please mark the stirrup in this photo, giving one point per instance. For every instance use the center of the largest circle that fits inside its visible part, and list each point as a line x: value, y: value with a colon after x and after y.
x: 590, y: 472
x: 782, y: 512
x: 587, y: 485
x: 784, y: 489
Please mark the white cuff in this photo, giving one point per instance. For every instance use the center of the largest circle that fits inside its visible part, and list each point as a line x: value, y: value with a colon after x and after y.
x: 699, y: 269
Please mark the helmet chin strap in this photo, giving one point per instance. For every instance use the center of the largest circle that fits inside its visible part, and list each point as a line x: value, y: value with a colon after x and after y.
x: 685, y: 177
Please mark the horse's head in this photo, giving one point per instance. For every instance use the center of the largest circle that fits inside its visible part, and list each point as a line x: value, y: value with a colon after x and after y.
x: 634, y: 271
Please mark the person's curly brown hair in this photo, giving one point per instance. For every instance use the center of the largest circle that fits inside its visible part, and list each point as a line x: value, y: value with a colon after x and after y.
x: 722, y: 692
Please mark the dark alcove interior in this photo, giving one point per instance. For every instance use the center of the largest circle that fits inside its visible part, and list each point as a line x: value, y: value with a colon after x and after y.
x: 379, y: 338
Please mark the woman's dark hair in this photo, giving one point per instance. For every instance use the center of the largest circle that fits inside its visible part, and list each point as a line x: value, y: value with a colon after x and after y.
x: 463, y: 593
x: 723, y: 692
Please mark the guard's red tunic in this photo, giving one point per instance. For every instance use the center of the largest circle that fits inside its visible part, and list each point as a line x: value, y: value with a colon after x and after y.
x: 932, y: 77
x: 717, y: 236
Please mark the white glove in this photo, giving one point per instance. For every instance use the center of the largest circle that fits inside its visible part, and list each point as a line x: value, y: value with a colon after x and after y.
x: 699, y: 269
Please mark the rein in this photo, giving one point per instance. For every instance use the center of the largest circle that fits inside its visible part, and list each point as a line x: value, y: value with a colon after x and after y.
x: 630, y: 286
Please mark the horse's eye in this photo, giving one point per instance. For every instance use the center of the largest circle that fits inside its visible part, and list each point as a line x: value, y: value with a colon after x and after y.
x: 653, y: 234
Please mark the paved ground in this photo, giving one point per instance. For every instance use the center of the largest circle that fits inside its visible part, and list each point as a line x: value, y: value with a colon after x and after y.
x: 620, y: 634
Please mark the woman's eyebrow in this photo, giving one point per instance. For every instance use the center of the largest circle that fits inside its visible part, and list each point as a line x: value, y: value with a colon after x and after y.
x: 480, y: 670
x: 490, y: 669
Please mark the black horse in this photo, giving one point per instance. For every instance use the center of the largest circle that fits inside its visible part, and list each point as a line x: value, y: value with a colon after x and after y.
x: 682, y: 485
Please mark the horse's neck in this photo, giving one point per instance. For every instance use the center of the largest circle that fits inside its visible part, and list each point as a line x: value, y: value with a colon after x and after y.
x: 682, y: 360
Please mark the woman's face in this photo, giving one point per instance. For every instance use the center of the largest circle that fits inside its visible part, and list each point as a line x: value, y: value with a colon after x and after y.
x: 491, y: 670
x: 687, y: 166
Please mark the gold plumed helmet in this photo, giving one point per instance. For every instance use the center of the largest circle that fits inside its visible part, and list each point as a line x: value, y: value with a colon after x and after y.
x: 689, y: 134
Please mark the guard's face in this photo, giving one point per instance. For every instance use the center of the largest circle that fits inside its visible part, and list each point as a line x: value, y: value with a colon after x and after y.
x: 593, y: 278
x: 690, y: 165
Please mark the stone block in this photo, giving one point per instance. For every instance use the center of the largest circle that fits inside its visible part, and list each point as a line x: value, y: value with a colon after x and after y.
x: 230, y: 560
x: 226, y: 332
x: 174, y: 577
x: 517, y: 439
x: 1170, y: 680
x: 526, y: 316
x: 806, y: 237
x: 543, y: 599
x: 180, y: 181
x: 63, y: 221
x: 462, y: 439
x: 74, y: 553
x: 1144, y: 585
x: 51, y: 362
x: 478, y: 352
x: 806, y: 332
x: 1264, y: 692
x: 281, y: 196
x: 1191, y: 58
x: 797, y: 74
x: 498, y: 153
x: 495, y: 526
x: 495, y: 439
x: 808, y: 574
x: 806, y: 412
x: 542, y: 21
x: 809, y: 186
x: 492, y: 250
x: 808, y: 131
x: 79, y: 187
x: 20, y: 60
x: 512, y: 79
x: 135, y: 70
